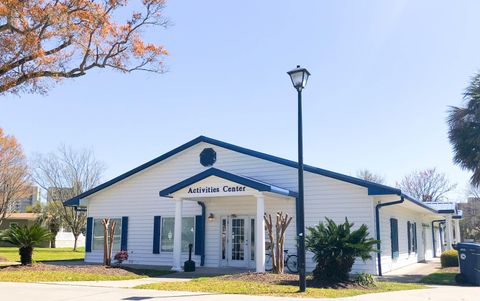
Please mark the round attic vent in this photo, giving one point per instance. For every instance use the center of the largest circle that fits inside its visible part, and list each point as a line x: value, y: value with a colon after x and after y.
x: 208, y: 157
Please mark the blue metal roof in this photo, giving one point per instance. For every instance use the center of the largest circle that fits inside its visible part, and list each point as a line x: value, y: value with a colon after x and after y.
x: 245, y: 181
x: 373, y: 188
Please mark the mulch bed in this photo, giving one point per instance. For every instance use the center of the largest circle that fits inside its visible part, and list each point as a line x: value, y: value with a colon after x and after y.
x: 287, y: 279
x: 94, y: 269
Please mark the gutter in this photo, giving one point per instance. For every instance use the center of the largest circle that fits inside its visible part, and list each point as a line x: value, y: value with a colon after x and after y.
x: 433, y: 235
x: 204, y: 216
x: 377, y: 224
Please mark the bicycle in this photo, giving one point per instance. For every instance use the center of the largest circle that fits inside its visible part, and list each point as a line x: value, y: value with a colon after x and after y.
x: 290, y: 261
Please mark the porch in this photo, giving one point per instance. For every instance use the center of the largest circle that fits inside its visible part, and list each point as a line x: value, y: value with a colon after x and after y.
x: 233, y: 208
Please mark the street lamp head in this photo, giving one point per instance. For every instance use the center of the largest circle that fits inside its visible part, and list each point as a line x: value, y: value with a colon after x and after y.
x: 299, y: 77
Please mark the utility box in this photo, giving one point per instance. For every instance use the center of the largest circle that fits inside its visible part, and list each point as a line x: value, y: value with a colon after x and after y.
x: 469, y: 260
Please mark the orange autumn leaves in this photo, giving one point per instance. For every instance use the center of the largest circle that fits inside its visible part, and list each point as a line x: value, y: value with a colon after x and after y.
x: 14, y: 179
x: 43, y: 41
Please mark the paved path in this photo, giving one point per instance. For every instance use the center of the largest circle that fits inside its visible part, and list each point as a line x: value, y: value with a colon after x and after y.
x: 413, y: 273
x: 58, y: 292
x: 119, y: 283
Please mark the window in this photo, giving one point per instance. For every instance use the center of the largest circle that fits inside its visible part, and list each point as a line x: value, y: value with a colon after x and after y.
x: 394, y: 237
x: 99, y: 232
x: 168, y: 233
x: 188, y: 233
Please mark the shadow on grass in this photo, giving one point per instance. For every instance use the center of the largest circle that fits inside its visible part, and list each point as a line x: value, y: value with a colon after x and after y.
x: 146, y: 272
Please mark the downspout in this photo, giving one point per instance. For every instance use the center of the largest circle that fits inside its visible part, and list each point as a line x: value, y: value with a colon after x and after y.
x: 377, y: 224
x: 433, y: 235
x: 202, y: 255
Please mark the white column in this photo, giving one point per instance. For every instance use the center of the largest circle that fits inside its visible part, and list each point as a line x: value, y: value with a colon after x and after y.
x: 449, y: 234
x: 177, y: 236
x: 458, y: 237
x: 260, y: 235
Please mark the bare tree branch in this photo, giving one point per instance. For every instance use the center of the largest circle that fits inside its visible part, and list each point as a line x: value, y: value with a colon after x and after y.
x: 65, y: 174
x: 427, y: 185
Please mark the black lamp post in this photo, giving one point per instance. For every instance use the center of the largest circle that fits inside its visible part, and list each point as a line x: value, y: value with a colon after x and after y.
x: 299, y: 77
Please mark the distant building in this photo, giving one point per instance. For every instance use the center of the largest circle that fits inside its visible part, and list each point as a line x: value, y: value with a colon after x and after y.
x: 59, y: 193
x: 33, y: 197
x: 471, y: 221
x: 19, y: 219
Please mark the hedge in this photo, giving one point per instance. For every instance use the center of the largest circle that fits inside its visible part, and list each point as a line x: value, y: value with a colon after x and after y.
x: 449, y: 259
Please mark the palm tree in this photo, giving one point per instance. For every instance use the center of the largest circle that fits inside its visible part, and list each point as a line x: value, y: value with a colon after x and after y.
x: 26, y: 238
x: 52, y: 218
x: 335, y: 248
x: 464, y: 131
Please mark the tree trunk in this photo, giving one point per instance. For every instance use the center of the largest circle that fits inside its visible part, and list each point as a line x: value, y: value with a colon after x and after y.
x: 53, y: 240
x: 75, y: 241
x: 25, y: 255
x: 105, y: 223
x: 110, y: 242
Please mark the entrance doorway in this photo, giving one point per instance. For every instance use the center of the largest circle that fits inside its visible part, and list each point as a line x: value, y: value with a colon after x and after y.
x: 423, y: 254
x: 237, y: 236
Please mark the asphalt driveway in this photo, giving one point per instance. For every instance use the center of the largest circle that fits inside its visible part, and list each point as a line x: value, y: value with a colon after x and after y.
x: 56, y: 292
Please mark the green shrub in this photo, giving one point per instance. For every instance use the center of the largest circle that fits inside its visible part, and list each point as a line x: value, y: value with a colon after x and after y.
x: 26, y: 238
x: 335, y: 248
x: 365, y: 280
x: 449, y: 258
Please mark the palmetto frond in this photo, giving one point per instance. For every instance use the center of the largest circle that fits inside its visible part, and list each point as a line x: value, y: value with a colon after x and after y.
x: 464, y: 131
x: 25, y: 236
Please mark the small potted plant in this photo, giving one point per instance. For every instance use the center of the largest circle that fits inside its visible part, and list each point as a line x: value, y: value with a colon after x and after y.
x: 121, y: 256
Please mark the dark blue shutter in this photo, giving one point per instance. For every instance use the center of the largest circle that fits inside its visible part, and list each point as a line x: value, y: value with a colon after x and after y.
x: 123, y: 245
x: 415, y: 237
x: 88, y: 238
x: 199, y: 234
x: 409, y: 237
x: 394, y: 237
x: 156, y: 234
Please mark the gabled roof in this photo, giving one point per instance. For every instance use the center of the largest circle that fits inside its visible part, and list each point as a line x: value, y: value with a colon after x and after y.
x: 418, y: 203
x: 373, y: 188
x: 242, y: 180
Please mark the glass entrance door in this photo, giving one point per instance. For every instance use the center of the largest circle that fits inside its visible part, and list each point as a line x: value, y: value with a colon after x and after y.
x: 238, y: 241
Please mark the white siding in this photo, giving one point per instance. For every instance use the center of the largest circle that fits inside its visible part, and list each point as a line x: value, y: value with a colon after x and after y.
x: 404, y: 215
x: 137, y: 197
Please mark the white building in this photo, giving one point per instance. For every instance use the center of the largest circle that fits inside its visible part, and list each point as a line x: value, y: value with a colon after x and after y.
x: 216, y: 194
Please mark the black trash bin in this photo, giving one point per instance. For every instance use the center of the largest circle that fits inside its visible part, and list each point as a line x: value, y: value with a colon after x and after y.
x: 469, y: 259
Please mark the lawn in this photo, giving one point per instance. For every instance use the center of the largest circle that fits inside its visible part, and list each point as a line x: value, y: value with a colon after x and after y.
x: 42, y: 272
x: 444, y: 276
x: 46, y: 276
x: 44, y: 254
x: 221, y: 285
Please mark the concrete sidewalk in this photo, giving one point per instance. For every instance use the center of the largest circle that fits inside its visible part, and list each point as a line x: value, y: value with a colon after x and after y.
x: 56, y: 292
x: 119, y: 283
x: 412, y: 273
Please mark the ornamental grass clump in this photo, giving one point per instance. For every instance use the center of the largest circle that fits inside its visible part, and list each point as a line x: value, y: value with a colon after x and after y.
x: 335, y: 248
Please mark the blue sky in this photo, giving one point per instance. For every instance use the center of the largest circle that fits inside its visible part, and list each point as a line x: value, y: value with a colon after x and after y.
x: 383, y: 76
